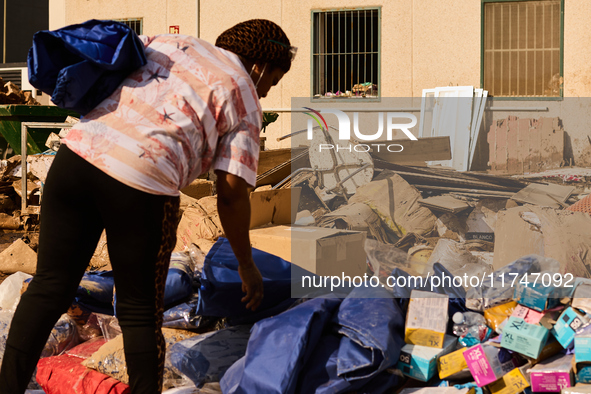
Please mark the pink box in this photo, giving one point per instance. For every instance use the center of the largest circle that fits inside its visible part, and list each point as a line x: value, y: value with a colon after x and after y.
x: 484, y: 364
x: 529, y: 315
x: 550, y: 382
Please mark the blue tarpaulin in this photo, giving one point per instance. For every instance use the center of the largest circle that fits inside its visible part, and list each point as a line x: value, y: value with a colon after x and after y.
x: 221, y: 287
x: 81, y: 65
x: 323, y: 346
x: 205, y: 358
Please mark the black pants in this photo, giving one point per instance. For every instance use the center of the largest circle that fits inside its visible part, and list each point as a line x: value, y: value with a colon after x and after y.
x: 79, y: 201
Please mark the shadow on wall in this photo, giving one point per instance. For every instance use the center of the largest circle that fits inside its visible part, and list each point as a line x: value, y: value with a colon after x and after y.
x: 569, y: 155
x: 481, y: 153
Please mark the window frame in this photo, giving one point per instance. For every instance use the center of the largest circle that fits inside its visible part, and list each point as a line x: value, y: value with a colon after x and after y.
x: 379, y: 49
x: 521, y: 98
x: 140, y: 20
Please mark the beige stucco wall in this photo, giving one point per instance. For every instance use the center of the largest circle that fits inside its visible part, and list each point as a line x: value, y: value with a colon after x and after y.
x: 158, y: 15
x: 424, y: 44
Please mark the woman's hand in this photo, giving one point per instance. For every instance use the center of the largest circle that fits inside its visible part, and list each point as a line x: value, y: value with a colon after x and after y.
x: 252, y: 285
x: 234, y: 211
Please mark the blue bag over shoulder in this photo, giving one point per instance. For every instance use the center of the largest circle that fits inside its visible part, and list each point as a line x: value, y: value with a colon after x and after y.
x: 81, y: 65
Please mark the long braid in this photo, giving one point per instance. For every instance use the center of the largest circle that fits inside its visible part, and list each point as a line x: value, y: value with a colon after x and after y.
x: 258, y: 40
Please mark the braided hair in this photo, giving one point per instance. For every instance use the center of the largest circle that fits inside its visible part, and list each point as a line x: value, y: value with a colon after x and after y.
x: 258, y: 40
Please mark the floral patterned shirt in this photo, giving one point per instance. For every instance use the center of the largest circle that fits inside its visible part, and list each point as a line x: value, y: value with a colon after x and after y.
x: 192, y: 107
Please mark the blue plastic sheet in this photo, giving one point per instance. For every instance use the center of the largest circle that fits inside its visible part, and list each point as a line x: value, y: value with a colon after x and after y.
x: 205, y: 358
x: 179, y: 281
x: 95, y: 292
x: 278, y: 348
x: 81, y: 65
x: 221, y: 287
x: 371, y: 336
x: 323, y: 346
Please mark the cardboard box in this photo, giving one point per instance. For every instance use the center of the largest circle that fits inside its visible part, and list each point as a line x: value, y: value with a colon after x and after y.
x: 552, y: 378
x: 513, y: 382
x: 436, y: 390
x: 426, y: 320
x: 582, y: 296
x: 199, y: 188
x: 483, y: 362
x: 521, y: 337
x: 552, y: 375
x: 583, y: 345
x: 322, y: 251
x: 496, y: 315
x: 529, y: 315
x: 537, y: 297
x: 568, y: 323
x: 276, y: 207
x: 552, y: 348
x: 452, y: 363
x: 420, y: 362
x: 580, y: 388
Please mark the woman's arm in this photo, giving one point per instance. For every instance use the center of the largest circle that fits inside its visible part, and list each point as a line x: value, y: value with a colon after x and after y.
x: 234, y: 210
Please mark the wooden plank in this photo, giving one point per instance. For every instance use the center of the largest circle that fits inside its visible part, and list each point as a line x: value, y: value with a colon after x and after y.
x: 424, y: 149
x: 269, y: 159
x: 444, y: 203
x: 277, y: 174
x: 550, y: 195
x: 459, y: 190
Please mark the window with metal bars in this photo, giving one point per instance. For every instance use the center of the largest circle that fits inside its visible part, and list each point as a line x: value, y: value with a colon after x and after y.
x: 522, y: 48
x: 136, y: 24
x: 346, y: 53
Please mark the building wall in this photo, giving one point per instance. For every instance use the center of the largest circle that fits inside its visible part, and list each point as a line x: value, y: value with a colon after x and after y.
x: 424, y: 44
x: 158, y: 15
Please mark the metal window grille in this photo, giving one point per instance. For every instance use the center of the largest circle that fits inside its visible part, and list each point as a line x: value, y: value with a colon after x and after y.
x: 522, y: 48
x: 136, y: 24
x: 345, y: 53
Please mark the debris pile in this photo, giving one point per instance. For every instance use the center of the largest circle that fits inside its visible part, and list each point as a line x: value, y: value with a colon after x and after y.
x: 383, y: 278
x: 11, y: 94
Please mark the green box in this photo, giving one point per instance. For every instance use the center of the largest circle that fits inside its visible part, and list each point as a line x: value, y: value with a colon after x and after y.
x: 521, y: 337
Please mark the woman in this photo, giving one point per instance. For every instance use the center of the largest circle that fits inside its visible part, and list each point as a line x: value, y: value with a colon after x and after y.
x: 192, y: 107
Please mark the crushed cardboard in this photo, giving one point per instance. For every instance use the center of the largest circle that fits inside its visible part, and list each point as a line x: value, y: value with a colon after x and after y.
x: 547, y: 232
x: 396, y: 203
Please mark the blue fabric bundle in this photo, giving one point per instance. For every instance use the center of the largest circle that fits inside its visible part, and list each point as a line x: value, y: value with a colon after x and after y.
x: 205, y: 358
x: 221, y: 287
x: 81, y: 65
x: 323, y: 346
x: 179, y: 281
x: 95, y: 292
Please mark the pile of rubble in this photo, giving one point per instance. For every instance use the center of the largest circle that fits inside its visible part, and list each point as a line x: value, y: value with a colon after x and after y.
x: 11, y: 94
x: 516, y: 301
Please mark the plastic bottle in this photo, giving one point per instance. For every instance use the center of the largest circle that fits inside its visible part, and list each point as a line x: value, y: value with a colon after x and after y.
x: 471, y: 328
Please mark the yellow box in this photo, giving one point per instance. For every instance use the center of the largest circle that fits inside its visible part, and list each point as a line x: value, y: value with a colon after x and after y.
x: 451, y: 363
x: 497, y: 314
x: 512, y: 383
x: 426, y: 320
